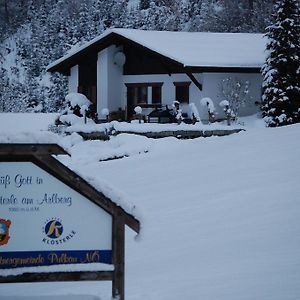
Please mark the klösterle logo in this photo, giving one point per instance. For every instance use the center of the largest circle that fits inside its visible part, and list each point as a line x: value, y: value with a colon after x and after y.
x: 54, y: 229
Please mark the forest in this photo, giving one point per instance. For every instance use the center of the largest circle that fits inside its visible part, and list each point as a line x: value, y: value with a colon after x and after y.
x: 36, y: 32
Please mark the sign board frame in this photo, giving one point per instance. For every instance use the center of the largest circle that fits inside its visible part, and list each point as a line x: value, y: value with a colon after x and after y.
x: 42, y: 156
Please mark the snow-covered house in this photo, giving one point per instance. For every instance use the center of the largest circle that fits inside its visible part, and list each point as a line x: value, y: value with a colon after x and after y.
x: 123, y: 68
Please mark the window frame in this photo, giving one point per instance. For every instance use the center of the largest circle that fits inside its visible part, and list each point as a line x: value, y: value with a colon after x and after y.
x: 151, y: 85
x: 182, y: 84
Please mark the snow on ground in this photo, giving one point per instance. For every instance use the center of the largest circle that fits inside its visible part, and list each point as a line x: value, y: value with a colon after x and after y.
x: 27, y: 127
x: 15, y: 123
x: 220, y: 215
x: 58, y: 268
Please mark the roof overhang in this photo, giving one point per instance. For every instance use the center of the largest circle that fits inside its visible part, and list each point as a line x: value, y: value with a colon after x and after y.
x: 227, y: 69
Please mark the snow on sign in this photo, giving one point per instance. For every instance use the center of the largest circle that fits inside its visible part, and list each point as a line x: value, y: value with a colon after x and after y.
x: 47, y: 223
x: 50, y: 216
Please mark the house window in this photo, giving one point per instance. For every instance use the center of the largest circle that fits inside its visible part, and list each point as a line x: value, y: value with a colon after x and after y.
x: 140, y: 95
x: 182, y: 91
x: 146, y: 94
x: 156, y: 94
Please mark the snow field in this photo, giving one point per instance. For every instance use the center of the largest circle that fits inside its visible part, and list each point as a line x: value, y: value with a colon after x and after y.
x: 220, y: 215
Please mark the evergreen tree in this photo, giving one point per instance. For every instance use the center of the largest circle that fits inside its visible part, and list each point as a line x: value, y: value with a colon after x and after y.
x: 144, y: 4
x: 57, y: 93
x: 259, y: 15
x: 281, y: 83
x: 159, y: 17
x: 4, y: 86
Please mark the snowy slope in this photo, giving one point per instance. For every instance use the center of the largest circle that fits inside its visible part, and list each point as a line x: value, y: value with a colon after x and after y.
x: 220, y: 216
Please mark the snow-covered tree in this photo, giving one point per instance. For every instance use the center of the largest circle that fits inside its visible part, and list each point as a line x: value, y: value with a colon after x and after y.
x: 4, y: 86
x: 56, y: 95
x: 281, y: 83
x: 236, y: 92
x: 43, y: 30
x: 227, y: 111
x: 159, y: 17
x: 144, y: 4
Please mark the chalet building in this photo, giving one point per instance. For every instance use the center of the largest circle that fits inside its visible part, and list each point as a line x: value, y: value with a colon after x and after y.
x: 123, y: 68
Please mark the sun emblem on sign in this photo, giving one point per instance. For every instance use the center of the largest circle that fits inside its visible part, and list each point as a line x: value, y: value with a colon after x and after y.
x: 4, y: 231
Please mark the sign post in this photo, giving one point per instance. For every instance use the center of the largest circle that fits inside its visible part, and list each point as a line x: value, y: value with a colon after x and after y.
x: 49, y: 216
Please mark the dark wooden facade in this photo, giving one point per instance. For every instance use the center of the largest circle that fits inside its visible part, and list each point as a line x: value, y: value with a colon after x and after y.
x: 139, y: 61
x: 87, y: 81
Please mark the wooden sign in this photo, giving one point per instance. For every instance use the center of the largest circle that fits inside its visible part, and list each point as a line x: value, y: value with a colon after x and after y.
x: 51, y: 216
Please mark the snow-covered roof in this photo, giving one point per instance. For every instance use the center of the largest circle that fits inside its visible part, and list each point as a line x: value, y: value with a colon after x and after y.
x: 191, y: 49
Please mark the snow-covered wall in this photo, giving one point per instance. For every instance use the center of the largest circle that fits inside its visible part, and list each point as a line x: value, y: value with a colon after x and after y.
x: 109, y: 80
x: 73, y: 80
x: 112, y: 91
x: 102, y: 80
x: 115, y: 74
x: 212, y: 88
x: 211, y: 83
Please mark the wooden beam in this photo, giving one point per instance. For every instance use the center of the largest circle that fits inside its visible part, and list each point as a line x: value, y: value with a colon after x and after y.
x: 58, y: 276
x: 216, y: 69
x: 195, y: 81
x: 118, y: 284
x: 26, y: 149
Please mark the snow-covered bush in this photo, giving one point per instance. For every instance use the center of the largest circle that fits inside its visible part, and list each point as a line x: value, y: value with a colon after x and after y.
x: 78, y: 106
x: 70, y: 119
x: 105, y: 113
x: 177, y: 111
x: 224, y: 103
x: 208, y: 103
x: 236, y: 92
x: 228, y: 111
x: 138, y: 110
x: 77, y: 100
x: 195, y: 113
